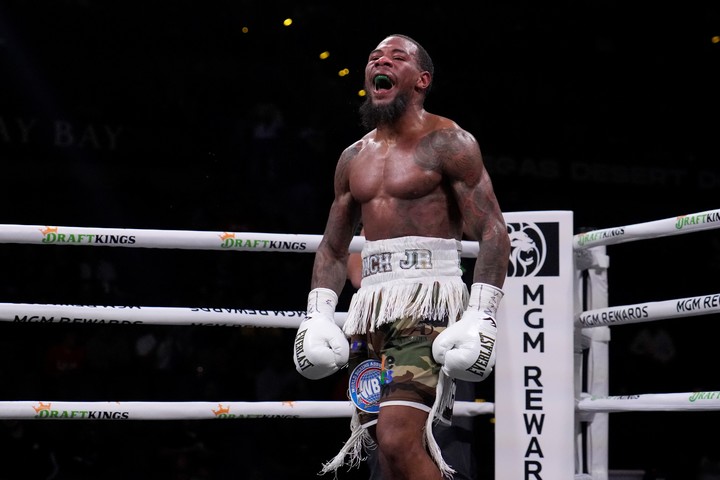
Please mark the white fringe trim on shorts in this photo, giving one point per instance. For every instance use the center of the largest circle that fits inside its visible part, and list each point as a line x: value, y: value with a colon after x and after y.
x: 408, y: 278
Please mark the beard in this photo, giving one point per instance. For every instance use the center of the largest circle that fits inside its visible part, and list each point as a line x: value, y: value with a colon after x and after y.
x: 372, y: 115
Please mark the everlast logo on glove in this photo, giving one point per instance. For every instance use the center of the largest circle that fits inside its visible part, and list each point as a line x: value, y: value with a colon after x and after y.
x: 466, y: 349
x: 319, y: 338
x: 487, y: 343
x: 302, y: 361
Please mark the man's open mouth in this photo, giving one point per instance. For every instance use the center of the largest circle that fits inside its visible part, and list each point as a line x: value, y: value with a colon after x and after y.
x: 382, y: 82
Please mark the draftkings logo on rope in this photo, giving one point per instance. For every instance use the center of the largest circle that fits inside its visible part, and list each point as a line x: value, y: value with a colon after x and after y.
x: 534, y: 249
x: 699, y: 219
x: 222, y: 412
x: 228, y: 240
x: 45, y: 410
x: 53, y: 235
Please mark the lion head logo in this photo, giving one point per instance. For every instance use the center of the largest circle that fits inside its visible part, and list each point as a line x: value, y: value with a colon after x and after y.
x: 528, y: 249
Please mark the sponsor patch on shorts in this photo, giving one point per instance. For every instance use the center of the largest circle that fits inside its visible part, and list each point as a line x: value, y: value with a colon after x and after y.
x: 364, y: 386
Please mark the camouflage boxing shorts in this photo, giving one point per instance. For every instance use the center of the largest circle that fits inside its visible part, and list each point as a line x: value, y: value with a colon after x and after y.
x: 408, y: 372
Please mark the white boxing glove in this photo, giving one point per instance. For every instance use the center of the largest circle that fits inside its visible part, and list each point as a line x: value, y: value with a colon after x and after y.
x: 321, y: 347
x: 466, y: 349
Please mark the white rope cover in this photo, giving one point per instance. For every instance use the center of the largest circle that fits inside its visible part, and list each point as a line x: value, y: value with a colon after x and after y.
x: 134, y: 315
x: 177, y: 239
x: 653, y: 402
x: 648, y: 312
x: 707, y: 220
x: 226, y: 317
x: 277, y: 242
x: 62, y: 410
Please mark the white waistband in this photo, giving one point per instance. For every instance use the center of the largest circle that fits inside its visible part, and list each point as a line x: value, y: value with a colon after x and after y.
x: 409, y: 258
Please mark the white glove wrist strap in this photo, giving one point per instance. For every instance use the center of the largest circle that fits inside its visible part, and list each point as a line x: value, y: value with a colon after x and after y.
x: 322, y: 300
x: 485, y: 297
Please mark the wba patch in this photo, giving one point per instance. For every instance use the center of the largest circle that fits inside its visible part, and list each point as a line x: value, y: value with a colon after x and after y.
x: 364, y: 386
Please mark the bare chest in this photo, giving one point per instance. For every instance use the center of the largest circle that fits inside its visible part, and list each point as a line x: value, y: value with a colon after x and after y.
x: 393, y: 172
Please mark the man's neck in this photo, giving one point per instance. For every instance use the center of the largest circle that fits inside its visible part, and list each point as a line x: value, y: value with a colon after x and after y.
x: 409, y: 123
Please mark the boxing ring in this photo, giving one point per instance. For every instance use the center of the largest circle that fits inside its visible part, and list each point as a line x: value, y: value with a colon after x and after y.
x: 552, y: 393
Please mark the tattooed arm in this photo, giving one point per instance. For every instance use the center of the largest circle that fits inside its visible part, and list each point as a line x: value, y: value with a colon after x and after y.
x: 480, y: 210
x: 330, y: 267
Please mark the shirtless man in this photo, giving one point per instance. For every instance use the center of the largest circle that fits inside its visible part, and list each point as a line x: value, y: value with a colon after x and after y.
x: 415, y: 180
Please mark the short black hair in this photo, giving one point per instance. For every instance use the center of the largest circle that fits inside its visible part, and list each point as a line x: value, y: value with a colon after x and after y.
x: 423, y: 58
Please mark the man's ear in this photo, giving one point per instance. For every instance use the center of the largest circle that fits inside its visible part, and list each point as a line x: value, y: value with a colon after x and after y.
x: 423, y: 82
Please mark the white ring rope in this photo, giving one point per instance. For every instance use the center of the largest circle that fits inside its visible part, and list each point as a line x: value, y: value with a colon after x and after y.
x: 146, y: 238
x: 653, y: 402
x: 648, y: 312
x: 276, y: 242
x: 693, y: 222
x: 61, y: 410
x: 176, y: 239
x: 227, y: 317
x: 134, y: 315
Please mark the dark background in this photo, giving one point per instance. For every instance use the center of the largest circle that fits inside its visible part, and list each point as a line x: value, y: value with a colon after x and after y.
x: 598, y: 107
